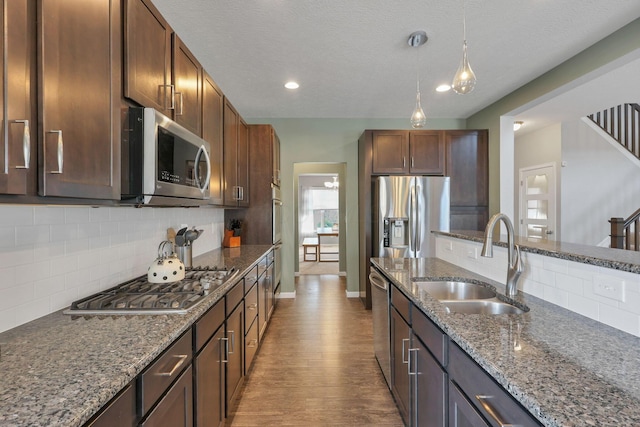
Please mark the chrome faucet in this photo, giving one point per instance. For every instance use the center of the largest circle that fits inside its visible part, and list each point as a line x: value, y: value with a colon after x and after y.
x: 514, y: 268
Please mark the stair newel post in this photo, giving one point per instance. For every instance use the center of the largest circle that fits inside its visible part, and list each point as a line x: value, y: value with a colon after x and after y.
x: 617, y: 233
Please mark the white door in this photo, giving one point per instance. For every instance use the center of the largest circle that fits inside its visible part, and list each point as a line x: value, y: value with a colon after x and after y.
x: 538, y: 201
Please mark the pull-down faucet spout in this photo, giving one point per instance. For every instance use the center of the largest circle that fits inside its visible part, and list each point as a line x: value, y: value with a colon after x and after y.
x: 514, y: 268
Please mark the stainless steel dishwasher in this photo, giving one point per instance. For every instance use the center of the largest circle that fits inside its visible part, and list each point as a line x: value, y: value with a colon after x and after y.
x: 380, y: 311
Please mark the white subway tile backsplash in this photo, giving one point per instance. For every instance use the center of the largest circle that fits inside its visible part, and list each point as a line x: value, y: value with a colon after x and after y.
x: 63, y: 253
x: 556, y: 296
x: 569, y: 284
x: 619, y: 319
x: 556, y: 265
x: 584, y: 306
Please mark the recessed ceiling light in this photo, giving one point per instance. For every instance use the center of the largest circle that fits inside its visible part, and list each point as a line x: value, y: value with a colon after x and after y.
x: 291, y: 85
x: 443, y: 88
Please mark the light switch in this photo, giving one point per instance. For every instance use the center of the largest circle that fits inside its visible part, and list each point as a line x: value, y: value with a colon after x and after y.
x: 609, y: 287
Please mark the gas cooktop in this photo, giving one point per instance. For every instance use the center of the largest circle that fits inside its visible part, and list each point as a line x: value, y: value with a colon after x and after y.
x: 139, y: 296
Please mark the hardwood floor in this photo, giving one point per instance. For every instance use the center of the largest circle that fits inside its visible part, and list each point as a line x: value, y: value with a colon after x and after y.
x: 316, y: 365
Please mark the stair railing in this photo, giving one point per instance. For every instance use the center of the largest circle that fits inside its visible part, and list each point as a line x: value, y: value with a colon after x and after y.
x: 622, y: 123
x: 625, y: 233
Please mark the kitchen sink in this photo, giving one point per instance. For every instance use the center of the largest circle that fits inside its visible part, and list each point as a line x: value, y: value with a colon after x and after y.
x: 482, y: 307
x: 452, y: 290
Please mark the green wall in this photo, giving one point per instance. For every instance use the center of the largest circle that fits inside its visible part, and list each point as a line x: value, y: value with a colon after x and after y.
x: 328, y: 141
x: 605, y: 52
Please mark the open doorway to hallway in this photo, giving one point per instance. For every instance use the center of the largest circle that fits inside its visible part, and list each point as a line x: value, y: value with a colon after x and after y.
x: 320, y: 217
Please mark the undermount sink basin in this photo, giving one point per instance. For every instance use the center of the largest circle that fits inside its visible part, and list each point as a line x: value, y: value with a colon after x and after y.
x: 450, y: 290
x: 482, y: 307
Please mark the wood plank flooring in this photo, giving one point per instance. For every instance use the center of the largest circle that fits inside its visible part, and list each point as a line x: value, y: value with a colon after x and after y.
x: 316, y: 365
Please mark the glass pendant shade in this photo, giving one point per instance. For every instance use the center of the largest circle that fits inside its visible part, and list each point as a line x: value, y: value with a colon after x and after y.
x: 418, y: 119
x: 465, y: 80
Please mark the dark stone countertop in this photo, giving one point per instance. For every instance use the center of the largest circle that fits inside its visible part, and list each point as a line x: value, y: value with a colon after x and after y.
x: 55, y: 371
x: 568, y: 370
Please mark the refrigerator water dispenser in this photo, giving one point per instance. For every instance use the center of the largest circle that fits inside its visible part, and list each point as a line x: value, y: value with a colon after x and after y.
x: 396, y: 232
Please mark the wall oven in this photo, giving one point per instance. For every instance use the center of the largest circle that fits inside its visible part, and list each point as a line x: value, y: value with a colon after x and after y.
x: 163, y: 164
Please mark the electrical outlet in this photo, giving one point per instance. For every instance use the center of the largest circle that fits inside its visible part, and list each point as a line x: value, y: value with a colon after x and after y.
x: 472, y: 253
x: 609, y: 287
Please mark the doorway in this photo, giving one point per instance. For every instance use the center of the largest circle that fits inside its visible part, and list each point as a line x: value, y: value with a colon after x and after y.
x: 538, y: 201
x: 320, y: 225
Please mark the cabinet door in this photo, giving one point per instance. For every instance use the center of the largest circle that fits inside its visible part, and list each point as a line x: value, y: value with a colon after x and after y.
x: 235, y: 366
x: 467, y: 154
x: 243, y: 163
x: 79, y: 76
x: 17, y: 71
x: 430, y: 388
x: 121, y: 411
x: 275, y: 160
x: 461, y: 412
x: 147, y: 67
x: 263, y: 310
x: 175, y: 409
x: 400, y: 344
x: 187, y: 75
x: 210, y: 382
x: 212, y: 107
x: 390, y: 152
x: 426, y: 149
x: 230, y: 138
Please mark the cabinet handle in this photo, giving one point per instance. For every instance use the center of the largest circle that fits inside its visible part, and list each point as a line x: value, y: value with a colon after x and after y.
x: 172, y: 96
x: 233, y: 341
x: 26, y: 144
x: 252, y: 343
x: 405, y: 340
x: 181, y: 358
x: 493, y: 412
x: 179, y: 111
x: 240, y: 193
x: 252, y: 306
x: 226, y: 350
x: 415, y: 363
x: 404, y: 162
x: 411, y: 162
x: 60, y: 151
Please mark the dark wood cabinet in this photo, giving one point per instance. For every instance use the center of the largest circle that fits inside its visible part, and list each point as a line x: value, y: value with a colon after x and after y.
x: 210, y: 381
x: 175, y: 409
x: 121, y: 411
x: 187, y: 81
x: 79, y: 98
x: 400, y: 381
x: 408, y: 152
x: 426, y: 152
x: 236, y: 160
x: 390, y: 152
x: 235, y: 341
x: 212, y: 123
x: 275, y: 158
x: 467, y: 163
x: 147, y: 67
x: 461, y: 412
x: 18, y: 163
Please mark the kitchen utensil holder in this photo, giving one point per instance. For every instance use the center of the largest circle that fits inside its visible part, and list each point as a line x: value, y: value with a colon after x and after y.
x: 185, y: 255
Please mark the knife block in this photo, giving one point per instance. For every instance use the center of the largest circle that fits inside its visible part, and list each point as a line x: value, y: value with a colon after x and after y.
x: 230, y: 241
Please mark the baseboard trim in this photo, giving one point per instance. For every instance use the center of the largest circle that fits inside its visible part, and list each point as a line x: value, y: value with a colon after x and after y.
x: 283, y: 295
x: 352, y: 294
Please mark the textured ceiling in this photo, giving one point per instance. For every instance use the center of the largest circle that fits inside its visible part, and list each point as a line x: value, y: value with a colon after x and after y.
x: 352, y: 60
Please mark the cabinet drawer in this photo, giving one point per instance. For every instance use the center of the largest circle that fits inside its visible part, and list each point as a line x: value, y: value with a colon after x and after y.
x: 251, y: 307
x: 235, y: 295
x: 155, y: 380
x: 176, y: 407
x: 435, y: 340
x: 401, y: 303
x: 209, y: 323
x: 251, y: 345
x: 489, y: 398
x: 250, y: 278
x: 121, y: 411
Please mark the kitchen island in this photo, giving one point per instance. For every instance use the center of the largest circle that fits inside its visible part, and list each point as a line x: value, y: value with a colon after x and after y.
x: 566, y: 369
x: 59, y: 371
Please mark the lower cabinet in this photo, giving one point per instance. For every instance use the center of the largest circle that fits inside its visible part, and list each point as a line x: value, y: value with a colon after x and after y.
x: 235, y: 360
x: 461, y: 411
x: 400, y: 381
x: 175, y: 409
x: 429, y: 386
x: 121, y: 411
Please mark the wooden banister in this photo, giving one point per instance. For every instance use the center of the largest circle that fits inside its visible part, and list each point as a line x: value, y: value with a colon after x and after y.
x: 622, y: 123
x: 625, y: 233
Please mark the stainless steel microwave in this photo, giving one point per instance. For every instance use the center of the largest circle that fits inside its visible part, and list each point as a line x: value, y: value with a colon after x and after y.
x: 163, y: 164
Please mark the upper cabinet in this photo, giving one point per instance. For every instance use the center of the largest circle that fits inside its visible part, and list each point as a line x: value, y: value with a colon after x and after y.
x: 236, y: 159
x: 17, y: 101
x: 79, y: 98
x: 160, y: 72
x: 408, y: 152
x: 275, y: 160
x: 212, y: 113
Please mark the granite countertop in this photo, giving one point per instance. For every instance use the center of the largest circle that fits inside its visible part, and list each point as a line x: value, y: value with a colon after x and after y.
x: 618, y: 259
x: 567, y: 370
x: 55, y: 371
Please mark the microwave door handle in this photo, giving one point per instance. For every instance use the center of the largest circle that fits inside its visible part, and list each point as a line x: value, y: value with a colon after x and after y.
x: 203, y: 186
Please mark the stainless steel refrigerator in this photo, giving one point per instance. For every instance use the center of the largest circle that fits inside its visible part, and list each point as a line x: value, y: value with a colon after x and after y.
x: 406, y: 210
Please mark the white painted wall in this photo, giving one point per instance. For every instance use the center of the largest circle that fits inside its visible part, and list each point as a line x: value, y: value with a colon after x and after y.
x: 51, y: 256
x: 536, y: 148
x: 594, y: 171
x: 565, y: 283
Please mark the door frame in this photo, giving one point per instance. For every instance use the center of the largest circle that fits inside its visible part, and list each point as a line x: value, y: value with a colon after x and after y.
x: 550, y: 170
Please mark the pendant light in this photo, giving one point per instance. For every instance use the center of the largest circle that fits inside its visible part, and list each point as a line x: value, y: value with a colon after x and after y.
x: 418, y: 119
x: 465, y: 80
